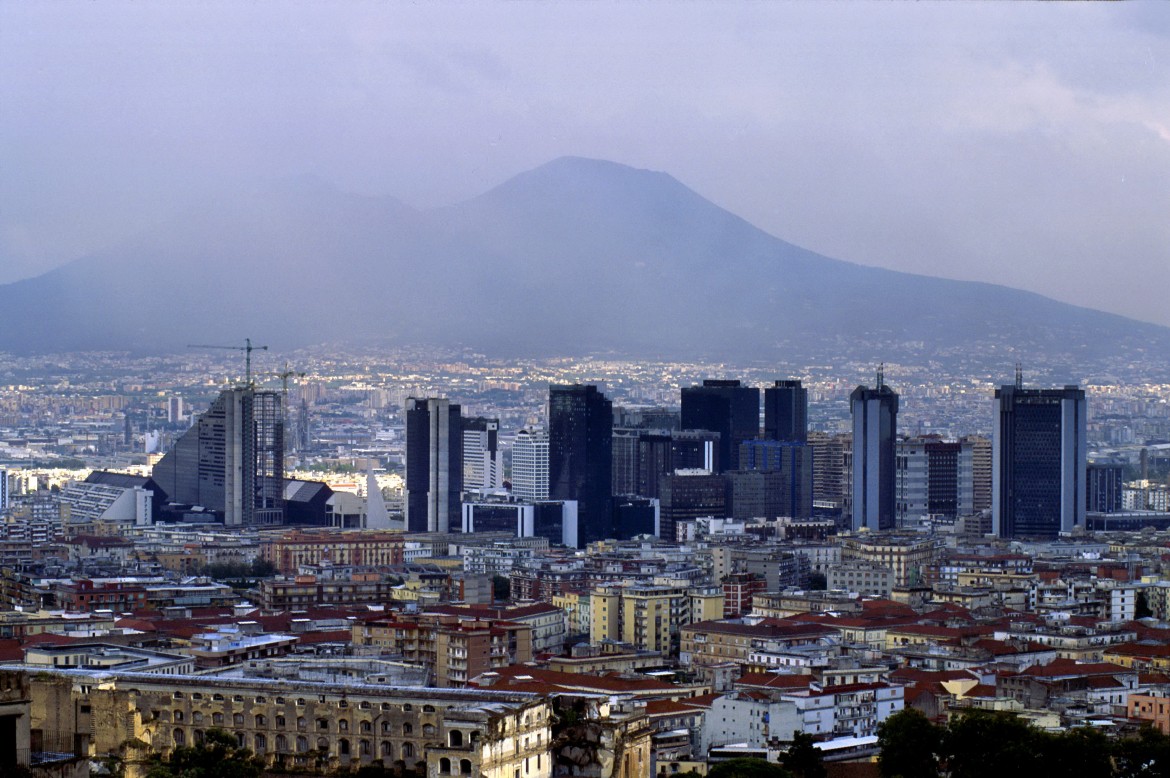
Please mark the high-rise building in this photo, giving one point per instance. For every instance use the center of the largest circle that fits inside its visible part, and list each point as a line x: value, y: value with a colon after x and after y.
x: 580, y: 456
x: 786, y: 412
x: 829, y: 473
x: 174, y: 409
x: 875, y: 433
x: 642, y: 456
x: 530, y: 464
x: 789, y: 485
x: 3, y: 489
x: 725, y: 407
x: 434, y: 465
x: 974, y: 475
x: 231, y: 460
x: 1105, y: 479
x: 930, y: 480
x: 689, y: 494
x: 481, y: 454
x: 1039, y: 450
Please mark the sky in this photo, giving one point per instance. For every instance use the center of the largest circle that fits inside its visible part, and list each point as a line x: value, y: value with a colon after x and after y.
x: 1019, y: 144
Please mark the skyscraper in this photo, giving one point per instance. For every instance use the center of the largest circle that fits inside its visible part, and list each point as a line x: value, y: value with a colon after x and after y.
x: 727, y: 408
x: 875, y: 433
x: 481, y: 454
x: 231, y: 460
x: 786, y: 412
x: 434, y: 465
x: 1039, y: 454
x: 530, y: 464
x: 580, y: 456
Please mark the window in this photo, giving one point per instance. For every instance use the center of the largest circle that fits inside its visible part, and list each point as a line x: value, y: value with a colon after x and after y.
x: 238, y: 719
x: 387, y: 750
x: 179, y: 737
x: 385, y: 727
x: 302, y: 744
x: 428, y: 730
x: 365, y: 748
x: 407, y: 729
x: 280, y: 722
x: 456, y: 738
x: 261, y: 743
x: 281, y: 744
x: 465, y: 766
x: 322, y: 723
x: 261, y: 721
x: 445, y: 766
x: 365, y: 727
x: 178, y: 716
x: 343, y: 747
x: 343, y: 725
x: 407, y: 750
x: 428, y: 709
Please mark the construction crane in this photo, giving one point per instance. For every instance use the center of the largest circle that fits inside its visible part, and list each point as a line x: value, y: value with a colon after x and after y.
x: 284, y: 376
x: 247, y: 348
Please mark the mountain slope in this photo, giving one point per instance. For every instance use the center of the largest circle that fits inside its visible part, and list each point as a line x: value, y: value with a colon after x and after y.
x: 575, y: 256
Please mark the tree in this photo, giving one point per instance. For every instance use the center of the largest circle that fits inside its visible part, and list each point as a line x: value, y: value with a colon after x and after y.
x: 981, y: 743
x: 1144, y: 756
x: 218, y: 756
x: 748, y: 768
x: 817, y: 582
x: 501, y: 587
x: 909, y: 745
x: 803, y: 759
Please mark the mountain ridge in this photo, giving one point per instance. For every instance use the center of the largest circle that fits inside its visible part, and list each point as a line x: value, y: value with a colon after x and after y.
x: 574, y: 256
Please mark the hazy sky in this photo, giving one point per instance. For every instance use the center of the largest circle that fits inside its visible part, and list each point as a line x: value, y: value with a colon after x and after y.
x: 1022, y: 144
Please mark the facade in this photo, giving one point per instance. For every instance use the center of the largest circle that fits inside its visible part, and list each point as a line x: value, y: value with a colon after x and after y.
x: 231, y: 460
x: 786, y: 412
x: 580, y: 456
x: 1039, y: 449
x: 482, y: 468
x: 303, y: 725
x: 289, y: 551
x: 1104, y: 481
x: 875, y: 433
x: 434, y: 465
x: 725, y: 407
x: 908, y: 556
x: 689, y: 494
x: 791, y: 465
x: 555, y: 520
x: 974, y: 475
x: 530, y: 464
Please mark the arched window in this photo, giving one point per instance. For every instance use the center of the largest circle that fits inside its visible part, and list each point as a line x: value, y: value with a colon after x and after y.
x: 465, y: 766
x: 407, y: 729
x: 387, y: 750
x: 385, y: 727
x: 343, y: 725
x: 261, y: 721
x: 241, y: 740
x: 428, y: 730
x: 177, y: 716
x: 445, y: 766
x: 456, y: 738
x: 197, y: 717
x: 281, y: 744
x: 302, y: 744
x: 198, y: 737
x: 322, y: 723
x: 179, y: 737
x: 343, y: 747
x: 366, y: 727
x: 428, y: 709
x: 216, y: 719
x: 365, y: 748
x: 323, y: 743
x: 261, y: 744
x: 280, y: 721
x: 238, y: 719
x: 407, y: 750
x: 301, y: 723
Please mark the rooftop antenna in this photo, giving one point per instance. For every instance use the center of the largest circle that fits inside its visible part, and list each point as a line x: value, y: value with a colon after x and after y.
x: 247, y: 348
x: 1019, y: 376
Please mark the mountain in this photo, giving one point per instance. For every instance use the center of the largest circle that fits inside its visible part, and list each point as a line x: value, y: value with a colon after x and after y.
x: 575, y: 256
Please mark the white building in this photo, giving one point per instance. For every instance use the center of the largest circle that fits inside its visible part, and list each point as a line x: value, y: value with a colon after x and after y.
x: 530, y: 464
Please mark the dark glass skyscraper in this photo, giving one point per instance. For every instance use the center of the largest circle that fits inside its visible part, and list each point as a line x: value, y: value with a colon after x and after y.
x: 231, y: 460
x: 580, y: 456
x: 727, y: 408
x: 786, y: 412
x: 1039, y: 459
x: 434, y: 465
x: 875, y: 437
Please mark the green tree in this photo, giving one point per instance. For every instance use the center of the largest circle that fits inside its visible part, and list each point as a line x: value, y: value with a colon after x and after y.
x: 982, y: 743
x: 1082, y: 752
x: 803, y: 759
x: 817, y: 582
x: 218, y: 756
x: 501, y: 587
x: 909, y: 744
x: 748, y: 768
x: 1144, y: 756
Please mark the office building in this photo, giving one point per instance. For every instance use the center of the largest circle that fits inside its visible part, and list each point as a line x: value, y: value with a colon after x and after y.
x: 434, y: 465
x: 530, y: 464
x: 1038, y: 481
x: 231, y: 460
x: 482, y: 468
x: 642, y: 457
x: 929, y: 479
x: 555, y: 520
x: 689, y: 494
x: 3, y: 489
x: 875, y: 433
x: 725, y: 407
x: 1105, y: 479
x: 974, y: 475
x: 789, y: 483
x: 580, y: 456
x: 786, y: 412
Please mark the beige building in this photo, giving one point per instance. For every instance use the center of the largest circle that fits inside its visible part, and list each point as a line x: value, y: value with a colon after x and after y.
x: 649, y: 616
x: 313, y: 727
x: 907, y: 555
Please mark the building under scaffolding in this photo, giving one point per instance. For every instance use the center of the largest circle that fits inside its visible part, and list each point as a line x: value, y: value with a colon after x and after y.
x: 231, y: 460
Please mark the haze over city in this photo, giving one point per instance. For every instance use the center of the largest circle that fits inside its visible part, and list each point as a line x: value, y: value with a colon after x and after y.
x: 1019, y: 145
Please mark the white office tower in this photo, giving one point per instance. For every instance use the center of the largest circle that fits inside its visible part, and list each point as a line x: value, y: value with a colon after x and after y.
x: 530, y: 464
x: 482, y: 469
x: 174, y: 409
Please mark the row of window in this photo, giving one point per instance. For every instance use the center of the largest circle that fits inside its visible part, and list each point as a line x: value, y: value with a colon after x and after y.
x: 455, y: 737
x: 300, y: 701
